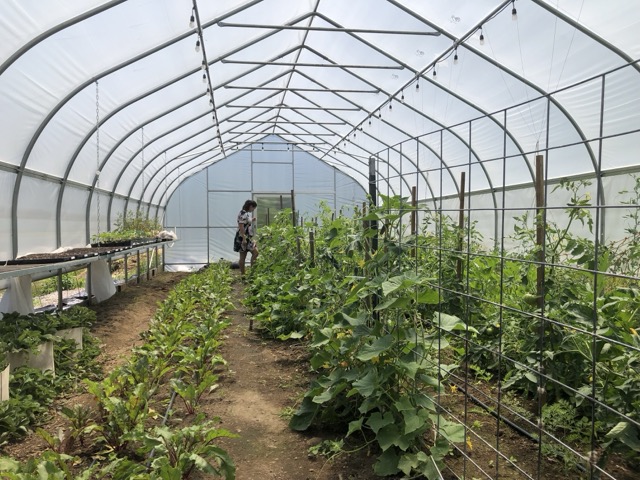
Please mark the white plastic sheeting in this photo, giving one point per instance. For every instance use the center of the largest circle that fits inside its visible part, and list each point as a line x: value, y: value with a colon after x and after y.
x: 338, y: 79
x: 270, y: 168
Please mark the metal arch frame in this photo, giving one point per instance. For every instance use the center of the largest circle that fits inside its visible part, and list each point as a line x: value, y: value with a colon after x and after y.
x: 418, y: 141
x: 369, y: 153
x: 235, y: 98
x: 65, y: 178
x: 82, y: 86
x: 508, y: 71
x: 117, y: 181
x: 121, y: 141
x: 207, y: 164
x: 127, y: 104
x: 393, y: 58
x: 53, y: 30
x: 315, y: 52
x: 140, y: 97
x: 157, y: 139
x: 192, y: 136
x: 594, y: 36
x: 569, y: 117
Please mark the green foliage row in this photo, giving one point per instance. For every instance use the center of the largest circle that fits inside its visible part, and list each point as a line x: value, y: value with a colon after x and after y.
x: 374, y: 356
x: 33, y: 391
x: 130, y: 225
x: 25, y: 332
x: 581, y: 333
x: 180, y: 350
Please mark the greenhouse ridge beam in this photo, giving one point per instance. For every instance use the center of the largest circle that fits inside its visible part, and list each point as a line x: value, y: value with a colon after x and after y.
x: 330, y: 29
x: 303, y: 43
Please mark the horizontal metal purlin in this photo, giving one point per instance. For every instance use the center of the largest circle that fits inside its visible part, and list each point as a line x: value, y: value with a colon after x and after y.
x: 258, y: 142
x: 297, y: 64
x: 294, y: 108
x: 288, y: 133
x: 329, y: 29
x: 286, y: 122
x: 292, y: 89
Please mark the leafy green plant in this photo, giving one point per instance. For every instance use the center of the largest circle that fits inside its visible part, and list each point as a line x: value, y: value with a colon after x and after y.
x: 191, y: 393
x: 16, y: 415
x: 27, y: 332
x: 179, y: 453
x: 326, y: 448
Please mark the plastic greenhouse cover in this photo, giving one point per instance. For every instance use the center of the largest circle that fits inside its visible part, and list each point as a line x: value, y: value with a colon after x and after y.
x: 106, y: 96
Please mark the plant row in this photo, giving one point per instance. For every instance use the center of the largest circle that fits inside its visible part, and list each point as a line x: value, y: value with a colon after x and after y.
x: 374, y: 356
x: 547, y: 321
x: 136, y: 429
x: 33, y: 390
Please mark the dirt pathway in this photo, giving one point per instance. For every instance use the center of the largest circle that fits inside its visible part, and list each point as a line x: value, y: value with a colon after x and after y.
x: 264, y: 380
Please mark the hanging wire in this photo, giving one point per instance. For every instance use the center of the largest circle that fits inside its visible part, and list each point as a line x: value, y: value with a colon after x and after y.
x: 97, y: 189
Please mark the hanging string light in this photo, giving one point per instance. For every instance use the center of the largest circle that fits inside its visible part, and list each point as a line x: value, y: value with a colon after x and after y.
x: 417, y: 85
x: 481, y: 37
x: 369, y: 121
x: 455, y: 56
x: 435, y: 74
x: 402, y: 96
x: 390, y: 104
x: 206, y: 72
x: 192, y: 20
x: 514, y: 12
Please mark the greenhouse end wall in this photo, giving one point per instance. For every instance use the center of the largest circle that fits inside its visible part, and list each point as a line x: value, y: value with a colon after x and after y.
x: 203, y: 209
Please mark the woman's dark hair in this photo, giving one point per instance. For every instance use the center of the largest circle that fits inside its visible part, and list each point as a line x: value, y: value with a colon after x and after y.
x: 249, y: 203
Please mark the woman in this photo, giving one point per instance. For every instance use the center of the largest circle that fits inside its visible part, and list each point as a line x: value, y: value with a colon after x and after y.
x: 243, y: 242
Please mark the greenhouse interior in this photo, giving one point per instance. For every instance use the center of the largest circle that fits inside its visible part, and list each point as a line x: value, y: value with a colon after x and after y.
x: 319, y: 239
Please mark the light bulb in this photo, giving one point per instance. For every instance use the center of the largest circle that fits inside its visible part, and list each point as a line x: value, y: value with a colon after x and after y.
x: 481, y: 37
x: 211, y: 102
x: 192, y: 21
x: 402, y: 96
x: 390, y: 105
x: 455, y: 57
x: 369, y: 121
x: 417, y: 86
x: 197, y: 45
x: 435, y: 74
x: 263, y: 146
x: 514, y: 12
x: 204, y: 78
x: 204, y: 65
x: 354, y: 134
x: 379, y: 113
